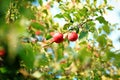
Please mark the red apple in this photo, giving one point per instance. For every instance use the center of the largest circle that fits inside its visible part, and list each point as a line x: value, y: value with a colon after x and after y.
x: 73, y: 36
x: 58, y: 37
x: 2, y: 52
x: 37, y: 32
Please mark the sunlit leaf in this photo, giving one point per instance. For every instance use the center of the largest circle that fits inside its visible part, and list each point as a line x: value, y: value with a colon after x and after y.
x: 67, y: 16
x: 101, y: 19
x: 84, y: 55
x: 41, y: 2
x: 106, y: 28
x: 102, y: 40
x: 66, y: 26
x: 48, y: 37
x: 37, y: 26
x: 110, y: 8
x: 105, y: 1
x: 59, y: 52
x: 58, y: 16
x: 83, y: 34
x: 95, y: 2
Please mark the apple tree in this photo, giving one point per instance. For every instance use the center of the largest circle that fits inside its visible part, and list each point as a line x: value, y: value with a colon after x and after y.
x: 35, y: 46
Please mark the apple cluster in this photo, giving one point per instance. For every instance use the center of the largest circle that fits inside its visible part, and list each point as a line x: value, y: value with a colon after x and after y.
x: 58, y: 37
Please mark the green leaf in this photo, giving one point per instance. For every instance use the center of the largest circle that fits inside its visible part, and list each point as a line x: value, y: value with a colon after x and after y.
x: 95, y: 34
x: 106, y: 28
x: 110, y: 54
x: 95, y: 2
x: 90, y: 26
x: 40, y: 2
x: 43, y: 60
x: 116, y: 62
x: 59, y: 52
x: 100, y: 29
x: 102, y: 40
x: 77, y: 30
x: 110, y: 8
x: 105, y: 1
x: 84, y: 55
x: 66, y: 26
x: 87, y: 27
x: 101, y: 19
x: 27, y: 12
x: 67, y: 16
x: 45, y: 11
x: 26, y: 54
x: 48, y: 37
x: 83, y: 12
x: 83, y: 34
x: 37, y: 26
x: 58, y: 16
x: 88, y: 1
x: 76, y: 17
x: 3, y: 70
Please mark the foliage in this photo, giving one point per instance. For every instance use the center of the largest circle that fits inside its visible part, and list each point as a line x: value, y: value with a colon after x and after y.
x: 36, y: 57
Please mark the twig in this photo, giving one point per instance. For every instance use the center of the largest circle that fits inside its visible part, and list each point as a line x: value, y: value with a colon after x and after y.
x: 48, y: 44
x: 81, y: 24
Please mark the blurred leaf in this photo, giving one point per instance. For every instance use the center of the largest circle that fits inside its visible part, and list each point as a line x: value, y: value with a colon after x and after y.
x: 37, y: 26
x: 87, y: 26
x: 59, y: 16
x: 84, y: 55
x: 77, y: 30
x: 92, y: 29
x: 43, y: 60
x: 67, y: 16
x: 95, y: 2
x: 45, y: 11
x: 48, y: 37
x: 26, y: 12
x: 95, y: 34
x: 83, y: 12
x: 90, y: 26
x: 110, y: 54
x: 66, y: 26
x: 110, y: 8
x: 102, y: 40
x: 116, y: 59
x: 76, y: 17
x: 27, y: 55
x: 4, y: 5
x: 105, y: 1
x: 88, y: 1
x: 59, y: 52
x: 3, y: 70
x: 100, y: 29
x: 101, y: 19
x: 83, y: 43
x: 106, y: 28
x: 41, y: 2
x: 83, y: 34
